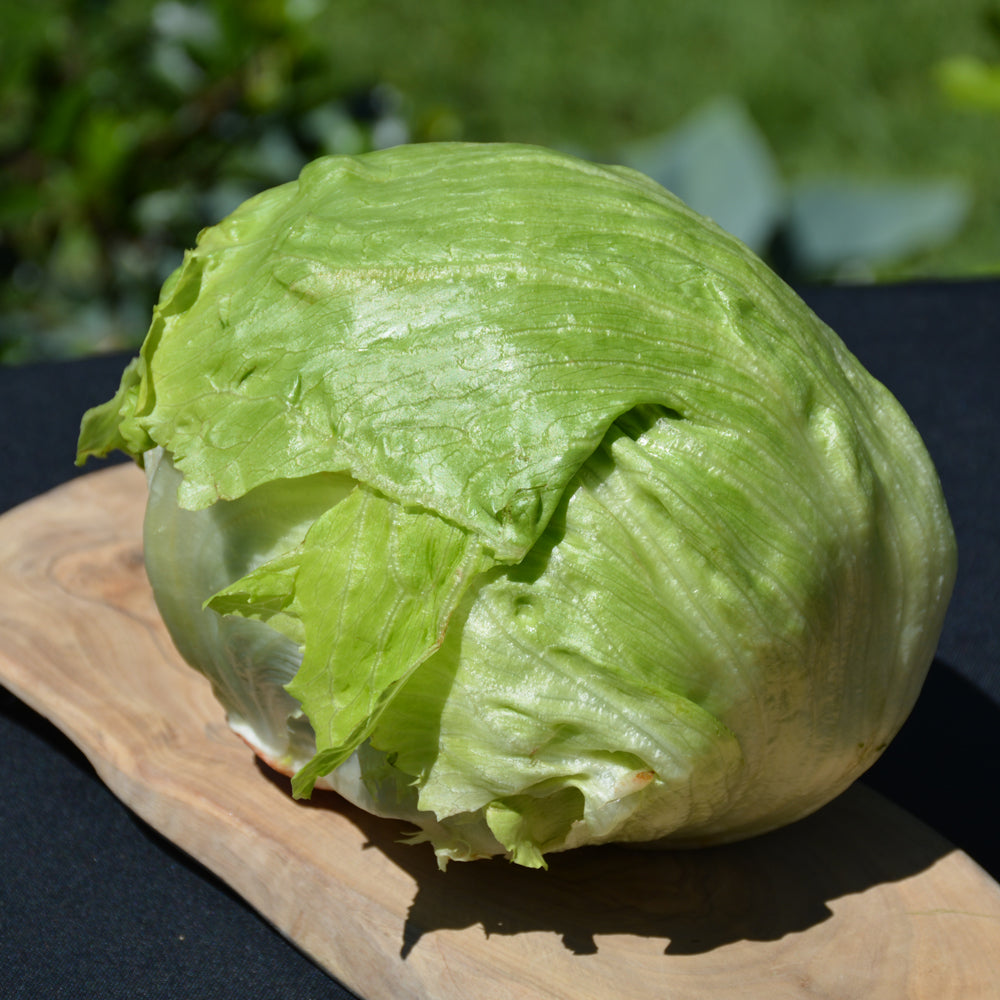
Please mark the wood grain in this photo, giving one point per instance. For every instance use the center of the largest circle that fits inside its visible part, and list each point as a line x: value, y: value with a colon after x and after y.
x: 859, y: 900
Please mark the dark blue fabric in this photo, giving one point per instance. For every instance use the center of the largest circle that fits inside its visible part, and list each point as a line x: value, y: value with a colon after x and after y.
x: 937, y: 347
x: 94, y: 904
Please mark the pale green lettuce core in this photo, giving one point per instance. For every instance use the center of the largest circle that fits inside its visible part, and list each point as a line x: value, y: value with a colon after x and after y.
x: 507, y: 495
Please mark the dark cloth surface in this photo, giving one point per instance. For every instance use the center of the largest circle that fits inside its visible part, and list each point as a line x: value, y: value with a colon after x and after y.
x: 93, y: 903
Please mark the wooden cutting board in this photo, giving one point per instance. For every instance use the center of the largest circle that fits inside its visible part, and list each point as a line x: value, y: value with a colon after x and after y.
x: 858, y: 901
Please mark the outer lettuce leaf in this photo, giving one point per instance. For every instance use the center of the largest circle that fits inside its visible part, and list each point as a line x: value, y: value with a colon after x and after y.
x: 456, y: 356
x: 374, y: 587
x: 695, y: 669
x: 108, y: 427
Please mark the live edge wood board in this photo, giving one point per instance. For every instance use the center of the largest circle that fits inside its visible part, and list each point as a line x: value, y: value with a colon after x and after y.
x: 858, y: 901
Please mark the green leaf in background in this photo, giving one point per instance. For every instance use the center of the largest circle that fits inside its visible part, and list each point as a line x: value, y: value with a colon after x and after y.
x: 969, y: 82
x: 719, y: 162
x: 840, y: 225
x: 102, y: 105
x: 333, y: 130
x: 192, y: 25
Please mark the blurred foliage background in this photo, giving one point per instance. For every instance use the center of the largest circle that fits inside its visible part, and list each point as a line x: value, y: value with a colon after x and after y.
x: 847, y: 141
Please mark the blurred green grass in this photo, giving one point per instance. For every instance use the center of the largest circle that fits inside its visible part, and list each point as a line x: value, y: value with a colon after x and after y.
x: 869, y: 133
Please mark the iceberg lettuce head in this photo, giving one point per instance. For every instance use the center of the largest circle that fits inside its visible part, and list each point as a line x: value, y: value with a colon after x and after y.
x: 507, y: 496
